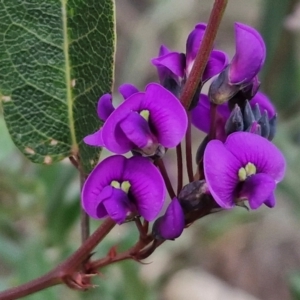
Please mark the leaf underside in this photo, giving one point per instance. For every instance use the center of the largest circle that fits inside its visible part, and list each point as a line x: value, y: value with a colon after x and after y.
x: 56, y: 60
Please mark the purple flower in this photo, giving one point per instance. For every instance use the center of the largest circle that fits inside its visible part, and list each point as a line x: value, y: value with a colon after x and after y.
x: 171, y: 224
x: 201, y: 113
x: 174, y: 67
x: 246, y: 167
x: 118, y: 186
x: 242, y: 71
x: 143, y: 122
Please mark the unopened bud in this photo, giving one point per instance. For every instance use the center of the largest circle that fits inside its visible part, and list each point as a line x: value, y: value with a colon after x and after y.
x: 264, y: 124
x: 235, y: 121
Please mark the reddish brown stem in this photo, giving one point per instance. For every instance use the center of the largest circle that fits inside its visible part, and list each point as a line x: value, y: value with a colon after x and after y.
x: 165, y: 175
x: 202, y: 56
x: 66, y: 268
x: 179, y: 168
x: 188, y: 150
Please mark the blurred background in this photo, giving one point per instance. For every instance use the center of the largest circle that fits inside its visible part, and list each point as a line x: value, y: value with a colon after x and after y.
x: 229, y: 255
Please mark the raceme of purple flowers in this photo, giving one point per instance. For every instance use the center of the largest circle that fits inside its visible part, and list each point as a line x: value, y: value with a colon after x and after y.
x: 240, y: 164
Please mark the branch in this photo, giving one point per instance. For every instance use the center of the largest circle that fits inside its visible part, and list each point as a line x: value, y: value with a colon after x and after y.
x: 64, y: 272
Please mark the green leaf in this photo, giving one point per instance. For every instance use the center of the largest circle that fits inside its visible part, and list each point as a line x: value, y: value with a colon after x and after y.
x: 56, y: 60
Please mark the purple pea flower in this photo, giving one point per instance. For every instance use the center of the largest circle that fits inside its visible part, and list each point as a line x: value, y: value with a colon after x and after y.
x: 201, y: 113
x: 174, y: 67
x: 242, y: 71
x: 118, y: 186
x: 142, y: 123
x: 170, y: 226
x: 246, y: 167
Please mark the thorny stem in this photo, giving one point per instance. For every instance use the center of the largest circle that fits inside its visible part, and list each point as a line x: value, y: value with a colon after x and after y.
x: 165, y: 175
x: 179, y: 168
x: 188, y: 150
x: 202, y: 56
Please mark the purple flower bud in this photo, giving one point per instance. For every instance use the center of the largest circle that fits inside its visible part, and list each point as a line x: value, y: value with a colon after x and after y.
x: 235, y: 121
x: 246, y: 167
x: 119, y: 186
x: 171, y: 224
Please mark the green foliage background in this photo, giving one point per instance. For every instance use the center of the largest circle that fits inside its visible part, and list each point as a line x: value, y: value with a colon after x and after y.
x: 39, y: 205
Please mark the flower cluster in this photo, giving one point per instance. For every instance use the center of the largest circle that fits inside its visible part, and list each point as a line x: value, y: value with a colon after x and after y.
x: 145, y: 123
x: 239, y: 161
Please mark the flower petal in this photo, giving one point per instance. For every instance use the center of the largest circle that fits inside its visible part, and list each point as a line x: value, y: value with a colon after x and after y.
x: 201, y: 114
x: 257, y: 189
x: 136, y: 129
x: 249, y: 55
x: 171, y: 224
x: 248, y: 147
x: 170, y: 65
x: 116, y: 205
x: 103, y: 174
x: 221, y: 173
x: 270, y: 202
x: 167, y: 115
x: 193, y: 44
x: 163, y: 50
x: 264, y: 104
x: 217, y: 62
x: 105, y: 107
x: 127, y: 89
x: 95, y: 139
x: 147, y: 186
x: 113, y: 137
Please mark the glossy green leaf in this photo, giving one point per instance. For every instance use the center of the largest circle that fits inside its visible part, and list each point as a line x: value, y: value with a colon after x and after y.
x: 56, y: 59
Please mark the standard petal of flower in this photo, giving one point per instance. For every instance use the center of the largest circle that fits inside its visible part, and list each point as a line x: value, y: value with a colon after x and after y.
x: 267, y: 158
x: 167, y: 115
x: 103, y: 174
x: 127, y: 89
x: 117, y: 205
x: 264, y: 104
x: 218, y: 60
x: 249, y: 55
x: 170, y: 226
x: 136, y: 129
x: 172, y: 63
x: 113, y: 137
x: 257, y: 189
x: 221, y: 173
x: 105, y: 107
x: 95, y: 139
x: 193, y: 44
x: 147, y: 186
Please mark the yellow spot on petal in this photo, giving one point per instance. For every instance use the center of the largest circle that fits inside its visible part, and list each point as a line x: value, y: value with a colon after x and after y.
x: 115, y: 184
x: 48, y: 160
x: 250, y: 169
x: 125, y: 186
x: 242, y: 174
x: 29, y: 150
x: 145, y: 114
